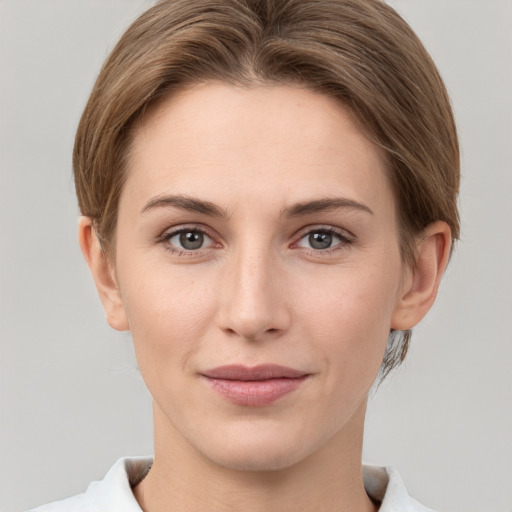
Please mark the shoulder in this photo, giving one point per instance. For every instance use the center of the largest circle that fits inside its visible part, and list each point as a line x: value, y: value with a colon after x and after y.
x: 385, y: 485
x: 112, y: 493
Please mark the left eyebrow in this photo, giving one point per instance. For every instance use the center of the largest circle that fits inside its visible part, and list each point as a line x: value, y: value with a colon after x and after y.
x: 324, y: 205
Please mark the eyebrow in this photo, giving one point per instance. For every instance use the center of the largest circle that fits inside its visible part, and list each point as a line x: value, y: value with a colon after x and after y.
x: 297, y: 210
x: 190, y: 204
x: 324, y: 205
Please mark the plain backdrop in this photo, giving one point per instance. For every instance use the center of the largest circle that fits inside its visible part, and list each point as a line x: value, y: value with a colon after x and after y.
x: 71, y: 399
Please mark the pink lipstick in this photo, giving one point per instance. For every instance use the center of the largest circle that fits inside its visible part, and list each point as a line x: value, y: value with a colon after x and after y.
x: 254, y: 386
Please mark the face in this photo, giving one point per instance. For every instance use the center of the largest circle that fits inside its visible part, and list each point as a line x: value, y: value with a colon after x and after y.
x: 258, y: 266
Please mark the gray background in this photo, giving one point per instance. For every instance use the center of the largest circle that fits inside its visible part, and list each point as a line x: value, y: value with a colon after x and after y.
x: 71, y: 399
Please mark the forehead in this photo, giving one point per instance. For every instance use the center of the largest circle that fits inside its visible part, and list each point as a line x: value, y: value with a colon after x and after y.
x: 264, y: 140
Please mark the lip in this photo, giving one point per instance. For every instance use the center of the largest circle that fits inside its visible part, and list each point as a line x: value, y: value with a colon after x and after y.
x: 254, y: 386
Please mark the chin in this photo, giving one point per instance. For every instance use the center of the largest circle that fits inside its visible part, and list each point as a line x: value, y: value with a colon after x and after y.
x: 257, y: 452
x: 256, y: 460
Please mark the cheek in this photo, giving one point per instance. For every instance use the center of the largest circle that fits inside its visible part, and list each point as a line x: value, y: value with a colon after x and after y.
x: 350, y: 316
x: 168, y: 313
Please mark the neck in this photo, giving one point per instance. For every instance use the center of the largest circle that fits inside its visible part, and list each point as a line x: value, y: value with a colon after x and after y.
x: 183, y: 479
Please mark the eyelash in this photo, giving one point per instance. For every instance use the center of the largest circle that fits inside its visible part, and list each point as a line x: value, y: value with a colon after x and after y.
x: 344, y: 240
x: 166, y: 237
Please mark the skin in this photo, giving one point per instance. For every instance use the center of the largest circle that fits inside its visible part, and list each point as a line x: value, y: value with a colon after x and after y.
x: 257, y: 291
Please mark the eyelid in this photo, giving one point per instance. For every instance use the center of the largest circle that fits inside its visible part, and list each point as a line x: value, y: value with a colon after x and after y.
x: 341, y: 232
x: 346, y: 238
x: 179, y: 228
x: 171, y: 232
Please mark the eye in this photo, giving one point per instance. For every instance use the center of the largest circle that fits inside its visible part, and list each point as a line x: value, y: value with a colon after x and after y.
x: 188, y: 239
x: 322, y: 239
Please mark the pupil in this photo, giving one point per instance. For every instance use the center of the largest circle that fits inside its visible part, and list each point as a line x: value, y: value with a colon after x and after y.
x: 191, y: 240
x: 320, y: 240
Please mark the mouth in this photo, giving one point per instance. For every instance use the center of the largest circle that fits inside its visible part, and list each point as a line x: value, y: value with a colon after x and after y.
x: 254, y: 386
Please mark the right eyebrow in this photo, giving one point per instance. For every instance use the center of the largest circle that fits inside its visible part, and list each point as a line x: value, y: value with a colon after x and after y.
x: 188, y: 203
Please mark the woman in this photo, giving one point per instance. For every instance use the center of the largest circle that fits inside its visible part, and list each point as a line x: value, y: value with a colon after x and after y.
x: 268, y: 196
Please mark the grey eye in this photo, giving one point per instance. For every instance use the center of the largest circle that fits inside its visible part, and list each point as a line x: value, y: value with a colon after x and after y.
x: 320, y: 240
x: 189, y: 239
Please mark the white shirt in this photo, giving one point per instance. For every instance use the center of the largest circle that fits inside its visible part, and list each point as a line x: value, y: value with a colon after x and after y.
x: 114, y: 492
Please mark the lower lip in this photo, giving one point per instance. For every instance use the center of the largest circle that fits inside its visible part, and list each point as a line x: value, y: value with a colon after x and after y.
x: 255, y: 392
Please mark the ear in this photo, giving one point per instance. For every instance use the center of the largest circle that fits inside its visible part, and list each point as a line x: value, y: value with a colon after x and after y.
x: 103, y: 274
x: 420, y: 286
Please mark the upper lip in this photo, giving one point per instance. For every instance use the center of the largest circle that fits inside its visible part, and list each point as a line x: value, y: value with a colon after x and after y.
x: 260, y: 372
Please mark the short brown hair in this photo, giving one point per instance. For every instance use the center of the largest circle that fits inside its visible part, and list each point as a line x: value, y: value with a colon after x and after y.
x: 358, y: 51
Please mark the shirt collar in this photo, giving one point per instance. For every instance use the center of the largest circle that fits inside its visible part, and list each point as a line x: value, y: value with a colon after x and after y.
x: 383, y: 484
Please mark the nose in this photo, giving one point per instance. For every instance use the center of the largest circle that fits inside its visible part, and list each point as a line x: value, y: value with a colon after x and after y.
x: 252, y: 297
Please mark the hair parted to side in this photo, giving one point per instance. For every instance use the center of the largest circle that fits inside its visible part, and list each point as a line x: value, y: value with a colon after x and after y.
x: 358, y: 51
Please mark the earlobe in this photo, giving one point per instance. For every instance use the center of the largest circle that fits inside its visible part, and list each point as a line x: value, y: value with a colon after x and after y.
x: 103, y: 274
x: 420, y: 288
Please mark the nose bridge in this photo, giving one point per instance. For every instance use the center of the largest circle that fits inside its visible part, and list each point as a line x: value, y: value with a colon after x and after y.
x: 253, y: 304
